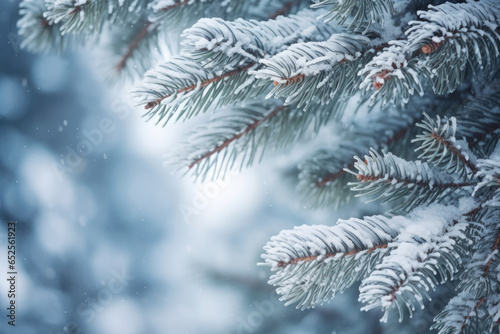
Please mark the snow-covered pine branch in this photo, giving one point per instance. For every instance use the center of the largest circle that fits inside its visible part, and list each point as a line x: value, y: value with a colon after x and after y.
x: 87, y: 16
x: 39, y: 34
x: 480, y: 276
x: 463, y: 314
x: 130, y: 31
x: 439, y: 146
x: 493, y: 309
x: 489, y: 181
x: 465, y: 37
x: 324, y: 71
x: 462, y: 36
x: 232, y: 139
x: 184, y: 11
x: 49, y: 25
x: 312, y: 263
x: 390, y: 178
x: 426, y: 253
x: 323, y: 180
x: 168, y: 11
x: 355, y: 14
x: 190, y: 83
x: 393, y: 75
x: 480, y: 120
x: 475, y: 308
x: 238, y: 137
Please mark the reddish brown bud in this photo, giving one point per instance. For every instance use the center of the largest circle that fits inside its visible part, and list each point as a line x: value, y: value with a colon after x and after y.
x: 431, y: 47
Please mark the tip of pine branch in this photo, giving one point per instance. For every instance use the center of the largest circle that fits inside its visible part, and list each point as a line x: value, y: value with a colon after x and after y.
x: 151, y: 104
x: 377, y: 84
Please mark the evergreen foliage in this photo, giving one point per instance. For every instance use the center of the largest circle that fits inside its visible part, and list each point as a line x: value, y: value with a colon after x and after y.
x: 411, y: 89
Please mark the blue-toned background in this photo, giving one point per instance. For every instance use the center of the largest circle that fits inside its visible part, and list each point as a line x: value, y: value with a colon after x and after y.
x: 109, y: 240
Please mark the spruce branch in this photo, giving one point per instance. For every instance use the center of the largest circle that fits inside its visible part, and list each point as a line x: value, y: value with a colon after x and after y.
x: 493, y: 309
x: 281, y: 80
x: 312, y: 263
x: 480, y: 119
x: 394, y: 75
x: 202, y: 84
x: 216, y: 69
x: 355, y: 14
x: 88, y: 16
x: 316, y: 70
x: 323, y: 179
x: 390, y: 178
x: 168, y: 11
x: 39, y: 34
x: 489, y: 181
x: 241, y: 136
x: 471, y: 41
x: 494, y: 249
x: 477, y: 281
x: 459, y: 313
x: 186, y: 12
x: 440, y: 147
x: 75, y: 15
x: 427, y: 253
x: 131, y: 50
x: 237, y: 136
x: 170, y: 89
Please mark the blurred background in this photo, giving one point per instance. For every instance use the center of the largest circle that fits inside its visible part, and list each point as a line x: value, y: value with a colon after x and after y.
x: 111, y: 241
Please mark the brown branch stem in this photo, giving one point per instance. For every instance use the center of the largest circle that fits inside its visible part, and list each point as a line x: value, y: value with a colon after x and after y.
x: 226, y: 143
x: 292, y: 80
x: 76, y: 10
x: 142, y: 34
x: 455, y: 151
x: 156, y: 102
x: 494, y: 248
x: 282, y: 264
x: 470, y: 315
x: 334, y: 175
x: 369, y: 178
